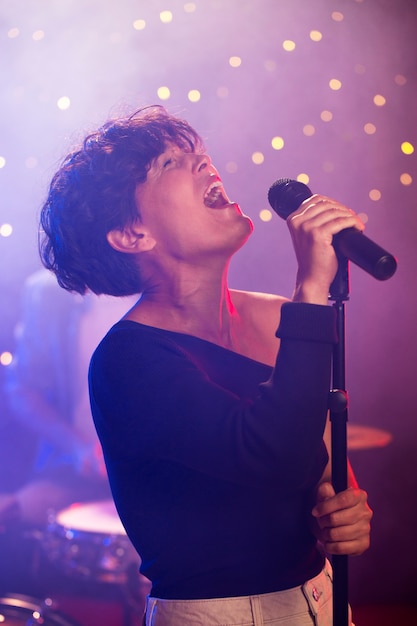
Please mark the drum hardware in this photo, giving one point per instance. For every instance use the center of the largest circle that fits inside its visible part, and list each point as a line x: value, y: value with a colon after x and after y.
x: 88, y: 541
x: 366, y: 437
x: 19, y: 610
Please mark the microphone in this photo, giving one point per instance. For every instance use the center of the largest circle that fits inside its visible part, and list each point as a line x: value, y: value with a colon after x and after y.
x: 286, y: 195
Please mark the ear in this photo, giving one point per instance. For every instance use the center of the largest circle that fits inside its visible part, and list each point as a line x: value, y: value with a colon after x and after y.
x: 131, y: 239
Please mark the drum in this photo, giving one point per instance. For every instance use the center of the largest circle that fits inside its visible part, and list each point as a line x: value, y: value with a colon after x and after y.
x: 88, y: 541
x: 20, y: 610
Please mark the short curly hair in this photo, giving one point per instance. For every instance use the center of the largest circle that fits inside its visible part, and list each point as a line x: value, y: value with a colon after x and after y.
x: 93, y: 192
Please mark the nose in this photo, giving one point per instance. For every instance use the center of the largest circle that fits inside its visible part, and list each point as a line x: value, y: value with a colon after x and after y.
x: 202, y: 162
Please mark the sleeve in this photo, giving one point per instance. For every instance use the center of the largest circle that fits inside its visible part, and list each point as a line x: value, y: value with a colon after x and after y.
x: 150, y: 401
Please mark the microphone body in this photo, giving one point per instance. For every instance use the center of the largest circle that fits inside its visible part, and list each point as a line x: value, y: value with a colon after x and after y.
x: 286, y: 195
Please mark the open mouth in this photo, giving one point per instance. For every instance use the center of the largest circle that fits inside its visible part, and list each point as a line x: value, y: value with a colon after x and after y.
x: 215, y: 196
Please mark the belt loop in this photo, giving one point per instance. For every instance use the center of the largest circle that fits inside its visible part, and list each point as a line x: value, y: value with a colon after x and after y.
x: 150, y: 609
x: 256, y: 607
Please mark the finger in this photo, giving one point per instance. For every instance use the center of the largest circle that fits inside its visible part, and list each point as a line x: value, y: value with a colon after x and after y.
x: 333, y: 219
x: 346, y: 522
x: 319, y: 210
x: 349, y: 548
x: 354, y: 532
x: 346, y: 499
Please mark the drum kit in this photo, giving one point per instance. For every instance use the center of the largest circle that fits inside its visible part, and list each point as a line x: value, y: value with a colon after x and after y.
x: 87, y: 542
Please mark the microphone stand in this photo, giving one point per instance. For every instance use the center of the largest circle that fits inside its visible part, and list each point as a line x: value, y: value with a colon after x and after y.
x: 338, y: 402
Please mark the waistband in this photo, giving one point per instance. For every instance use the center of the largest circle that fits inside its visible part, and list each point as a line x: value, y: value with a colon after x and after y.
x: 297, y: 603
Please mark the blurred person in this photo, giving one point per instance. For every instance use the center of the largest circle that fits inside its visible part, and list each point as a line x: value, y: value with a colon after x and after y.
x: 210, y: 403
x: 48, y: 393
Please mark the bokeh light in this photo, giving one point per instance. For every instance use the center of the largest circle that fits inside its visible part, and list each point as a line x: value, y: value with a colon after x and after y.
x: 335, y: 84
x: 369, y: 128
x: 139, y: 24
x: 375, y: 194
x: 277, y: 143
x: 288, y: 45
x: 326, y: 116
x: 6, y: 358
x: 6, y: 230
x: 63, y: 103
x: 164, y: 93
x: 379, y: 100
x: 309, y: 130
x: 235, y: 61
x: 166, y: 17
x: 258, y: 158
x: 400, y: 79
x: 194, y: 95
x: 316, y: 35
x: 265, y: 215
x: 406, y: 179
x: 38, y: 35
x: 303, y: 178
x: 407, y: 147
x: 222, y: 92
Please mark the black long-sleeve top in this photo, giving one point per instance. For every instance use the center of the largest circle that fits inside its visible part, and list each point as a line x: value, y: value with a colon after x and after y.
x: 212, y: 457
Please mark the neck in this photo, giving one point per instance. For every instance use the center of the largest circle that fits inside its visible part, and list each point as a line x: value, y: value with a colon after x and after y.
x: 194, y: 301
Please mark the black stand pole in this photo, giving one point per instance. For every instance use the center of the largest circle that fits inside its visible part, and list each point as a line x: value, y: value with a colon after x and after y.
x: 339, y: 292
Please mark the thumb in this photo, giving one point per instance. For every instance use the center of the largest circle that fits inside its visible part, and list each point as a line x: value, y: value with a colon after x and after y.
x: 325, y: 491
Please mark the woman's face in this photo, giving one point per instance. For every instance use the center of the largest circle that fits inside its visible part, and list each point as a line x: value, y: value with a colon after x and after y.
x: 185, y: 208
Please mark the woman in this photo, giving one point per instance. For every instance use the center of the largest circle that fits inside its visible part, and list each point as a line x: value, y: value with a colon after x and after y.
x: 211, y: 421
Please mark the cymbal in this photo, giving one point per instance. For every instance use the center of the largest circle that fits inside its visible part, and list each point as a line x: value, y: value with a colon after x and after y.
x: 366, y: 437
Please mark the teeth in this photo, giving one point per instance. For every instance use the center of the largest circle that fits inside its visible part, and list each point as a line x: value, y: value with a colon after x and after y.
x: 213, y: 186
x: 214, y: 195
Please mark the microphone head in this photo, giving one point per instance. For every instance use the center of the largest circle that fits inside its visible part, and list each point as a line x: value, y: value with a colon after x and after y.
x: 286, y: 195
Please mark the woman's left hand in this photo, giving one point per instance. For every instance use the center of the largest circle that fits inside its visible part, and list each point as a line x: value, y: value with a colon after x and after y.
x: 343, y: 520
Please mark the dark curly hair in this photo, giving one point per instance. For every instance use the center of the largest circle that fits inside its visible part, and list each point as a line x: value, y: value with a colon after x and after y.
x: 93, y: 193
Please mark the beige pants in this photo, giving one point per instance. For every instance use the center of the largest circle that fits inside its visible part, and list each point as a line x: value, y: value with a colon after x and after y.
x: 308, y: 605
